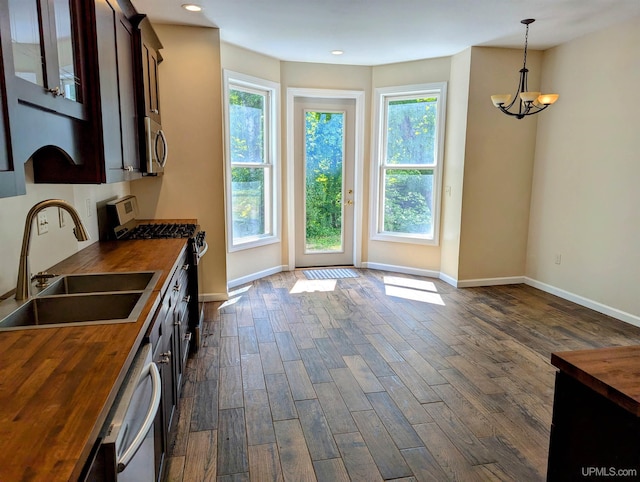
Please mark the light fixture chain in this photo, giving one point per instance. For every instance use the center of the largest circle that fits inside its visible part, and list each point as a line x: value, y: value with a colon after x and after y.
x: 526, y: 42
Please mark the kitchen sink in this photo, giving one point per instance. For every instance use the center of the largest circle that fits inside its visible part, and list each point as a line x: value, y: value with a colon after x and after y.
x: 82, y: 299
x: 77, y: 310
x: 102, y: 282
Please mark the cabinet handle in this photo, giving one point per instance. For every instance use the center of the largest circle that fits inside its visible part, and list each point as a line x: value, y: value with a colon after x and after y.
x: 177, y: 287
x: 56, y: 92
x: 164, y: 360
x: 166, y: 353
x: 177, y: 323
x: 185, y: 267
x: 155, y: 111
x: 187, y: 298
x: 187, y: 336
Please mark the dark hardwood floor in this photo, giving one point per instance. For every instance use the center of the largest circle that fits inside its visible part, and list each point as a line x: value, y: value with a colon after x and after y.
x: 380, y: 377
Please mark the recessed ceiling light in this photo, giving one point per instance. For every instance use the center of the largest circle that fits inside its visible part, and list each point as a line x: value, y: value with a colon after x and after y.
x: 192, y: 7
x: 337, y: 52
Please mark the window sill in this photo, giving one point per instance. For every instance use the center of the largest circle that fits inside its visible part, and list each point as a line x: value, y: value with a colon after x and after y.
x: 254, y: 242
x: 404, y: 238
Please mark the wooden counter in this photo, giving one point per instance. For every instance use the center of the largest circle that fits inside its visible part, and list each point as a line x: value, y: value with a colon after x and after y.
x: 595, y: 430
x: 57, y: 384
x: 611, y: 372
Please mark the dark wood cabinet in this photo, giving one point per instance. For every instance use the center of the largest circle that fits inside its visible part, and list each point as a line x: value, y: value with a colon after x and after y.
x: 115, y: 36
x: 11, y: 176
x: 170, y: 343
x: 595, y: 431
x: 78, y: 79
x: 148, y: 47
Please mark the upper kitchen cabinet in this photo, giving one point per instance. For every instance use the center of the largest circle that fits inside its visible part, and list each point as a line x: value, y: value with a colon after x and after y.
x: 150, y: 56
x: 70, y: 74
x: 46, y: 72
x: 11, y: 179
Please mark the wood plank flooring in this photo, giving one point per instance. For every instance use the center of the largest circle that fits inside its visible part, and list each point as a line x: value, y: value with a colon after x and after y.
x: 379, y: 377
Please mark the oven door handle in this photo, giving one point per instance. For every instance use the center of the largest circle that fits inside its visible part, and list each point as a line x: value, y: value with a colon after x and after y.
x: 150, y: 370
x: 204, y: 249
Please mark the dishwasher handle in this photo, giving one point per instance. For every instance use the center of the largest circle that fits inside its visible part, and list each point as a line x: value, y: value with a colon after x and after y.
x: 150, y: 370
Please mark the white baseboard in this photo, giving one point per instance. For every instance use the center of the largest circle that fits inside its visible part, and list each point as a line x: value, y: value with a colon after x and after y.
x: 507, y: 280
x: 402, y: 269
x: 586, y: 302
x: 580, y: 300
x: 204, y: 297
x: 254, y: 276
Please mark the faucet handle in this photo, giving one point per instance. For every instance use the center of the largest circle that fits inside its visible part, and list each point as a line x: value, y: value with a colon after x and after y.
x: 42, y: 278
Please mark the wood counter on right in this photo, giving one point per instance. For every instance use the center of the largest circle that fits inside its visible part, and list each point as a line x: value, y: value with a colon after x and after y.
x: 595, y: 432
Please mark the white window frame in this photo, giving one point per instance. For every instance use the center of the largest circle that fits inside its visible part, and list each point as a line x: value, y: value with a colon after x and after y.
x: 382, y: 96
x: 271, y: 91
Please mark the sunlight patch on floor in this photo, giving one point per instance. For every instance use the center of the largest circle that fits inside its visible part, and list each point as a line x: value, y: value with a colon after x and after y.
x: 312, y: 285
x: 234, y: 296
x: 412, y: 289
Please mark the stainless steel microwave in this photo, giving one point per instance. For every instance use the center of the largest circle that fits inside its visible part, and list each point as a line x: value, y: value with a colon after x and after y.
x: 156, y: 147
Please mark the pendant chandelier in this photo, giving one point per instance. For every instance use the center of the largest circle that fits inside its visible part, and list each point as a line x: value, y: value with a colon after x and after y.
x: 528, y: 103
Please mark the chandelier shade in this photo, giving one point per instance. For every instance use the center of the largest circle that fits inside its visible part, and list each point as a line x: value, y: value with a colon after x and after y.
x: 526, y: 102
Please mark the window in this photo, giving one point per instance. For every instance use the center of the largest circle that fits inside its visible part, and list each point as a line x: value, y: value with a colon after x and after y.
x: 408, y: 153
x: 251, y: 120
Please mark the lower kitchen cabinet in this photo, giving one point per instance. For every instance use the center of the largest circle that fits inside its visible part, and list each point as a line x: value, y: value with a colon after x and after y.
x: 170, y: 341
x: 169, y: 338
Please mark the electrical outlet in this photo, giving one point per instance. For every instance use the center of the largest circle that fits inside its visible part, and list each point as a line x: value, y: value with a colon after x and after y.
x: 61, y: 219
x: 87, y: 203
x: 43, y: 223
x: 558, y: 258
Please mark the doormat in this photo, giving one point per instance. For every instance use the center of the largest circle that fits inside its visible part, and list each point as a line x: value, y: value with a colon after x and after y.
x: 333, y: 273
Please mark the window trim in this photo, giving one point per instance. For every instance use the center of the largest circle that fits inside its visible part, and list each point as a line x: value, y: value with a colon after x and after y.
x: 271, y: 90
x: 382, y: 95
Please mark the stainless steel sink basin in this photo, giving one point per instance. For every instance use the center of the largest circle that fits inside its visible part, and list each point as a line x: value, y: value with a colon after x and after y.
x: 102, y: 282
x: 82, y: 299
x: 76, y: 310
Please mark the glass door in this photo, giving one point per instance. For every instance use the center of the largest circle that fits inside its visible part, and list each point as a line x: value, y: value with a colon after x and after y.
x: 324, y: 182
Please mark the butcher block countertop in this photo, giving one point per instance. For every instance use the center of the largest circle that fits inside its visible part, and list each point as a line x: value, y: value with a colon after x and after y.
x: 58, y: 384
x: 612, y: 372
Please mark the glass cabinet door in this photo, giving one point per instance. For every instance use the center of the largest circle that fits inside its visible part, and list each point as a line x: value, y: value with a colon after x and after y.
x: 28, y: 50
x: 69, y: 81
x: 45, y: 51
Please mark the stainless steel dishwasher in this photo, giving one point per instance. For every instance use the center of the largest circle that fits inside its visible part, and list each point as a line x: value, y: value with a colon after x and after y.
x: 128, y: 452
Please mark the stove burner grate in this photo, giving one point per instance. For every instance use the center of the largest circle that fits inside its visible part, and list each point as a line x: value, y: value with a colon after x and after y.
x: 161, y: 230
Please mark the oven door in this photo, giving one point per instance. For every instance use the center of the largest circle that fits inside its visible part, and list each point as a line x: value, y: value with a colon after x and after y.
x: 127, y: 452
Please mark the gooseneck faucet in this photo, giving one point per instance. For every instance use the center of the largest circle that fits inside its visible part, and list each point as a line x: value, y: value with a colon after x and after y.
x: 24, y: 278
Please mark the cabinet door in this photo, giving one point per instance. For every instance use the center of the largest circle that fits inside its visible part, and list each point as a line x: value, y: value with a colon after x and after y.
x: 11, y: 175
x: 47, y: 54
x: 149, y: 52
x: 117, y: 96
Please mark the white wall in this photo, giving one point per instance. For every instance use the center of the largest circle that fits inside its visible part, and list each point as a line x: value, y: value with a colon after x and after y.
x: 191, y: 108
x: 454, y: 155
x: 497, y: 170
x: 586, y: 195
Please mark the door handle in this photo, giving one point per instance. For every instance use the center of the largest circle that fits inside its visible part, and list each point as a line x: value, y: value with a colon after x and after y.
x: 150, y: 370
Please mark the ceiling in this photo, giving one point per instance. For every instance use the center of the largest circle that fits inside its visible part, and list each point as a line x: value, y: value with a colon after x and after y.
x: 375, y: 32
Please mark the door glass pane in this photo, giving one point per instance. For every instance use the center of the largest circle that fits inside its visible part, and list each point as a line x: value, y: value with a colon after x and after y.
x: 248, y: 201
x: 324, y: 155
x: 69, y: 80
x: 408, y: 201
x: 28, y: 60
